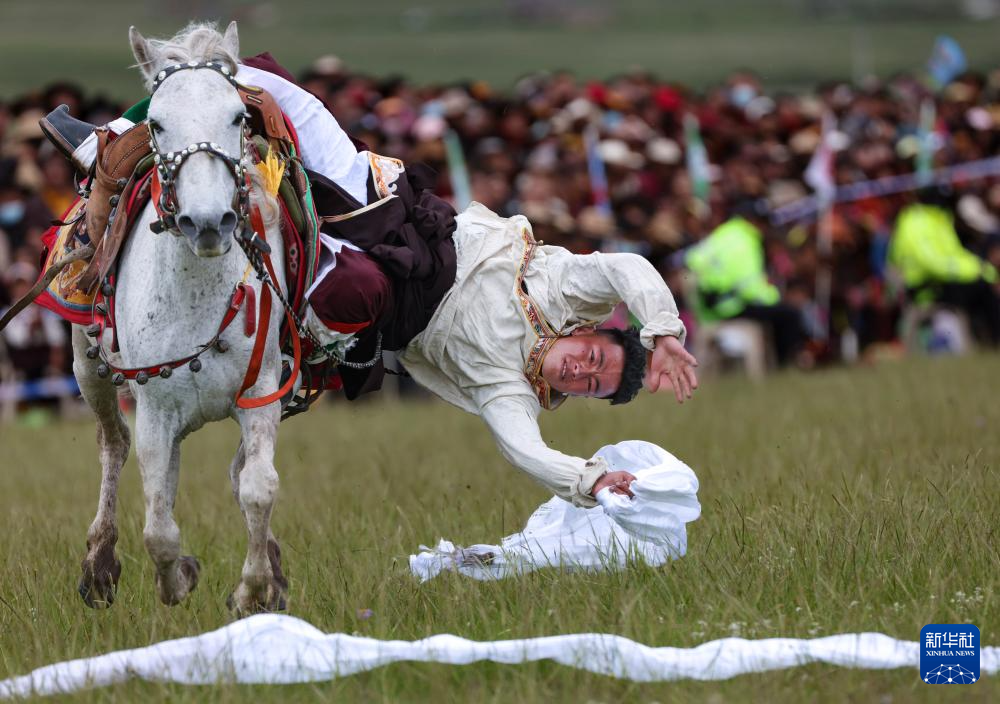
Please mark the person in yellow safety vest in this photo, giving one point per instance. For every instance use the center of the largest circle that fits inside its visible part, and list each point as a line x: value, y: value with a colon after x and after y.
x: 732, y: 282
x: 935, y: 267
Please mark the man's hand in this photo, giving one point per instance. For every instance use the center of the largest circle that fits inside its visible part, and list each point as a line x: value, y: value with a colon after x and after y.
x: 618, y: 482
x: 671, y: 366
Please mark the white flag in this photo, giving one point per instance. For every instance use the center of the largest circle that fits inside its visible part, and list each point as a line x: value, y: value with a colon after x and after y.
x: 819, y: 173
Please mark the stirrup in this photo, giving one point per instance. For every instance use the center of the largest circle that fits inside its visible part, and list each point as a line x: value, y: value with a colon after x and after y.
x: 67, y: 134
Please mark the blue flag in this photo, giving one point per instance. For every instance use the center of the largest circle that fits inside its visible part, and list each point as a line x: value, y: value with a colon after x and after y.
x: 595, y: 169
x: 947, y: 61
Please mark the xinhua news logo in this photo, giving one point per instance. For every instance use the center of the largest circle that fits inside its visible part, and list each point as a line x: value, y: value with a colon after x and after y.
x: 949, y: 653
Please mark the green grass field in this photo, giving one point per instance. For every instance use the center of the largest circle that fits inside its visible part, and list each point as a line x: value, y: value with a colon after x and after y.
x: 840, y: 501
x: 791, y: 43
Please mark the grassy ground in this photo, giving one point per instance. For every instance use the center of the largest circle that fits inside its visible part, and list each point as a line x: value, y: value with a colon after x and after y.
x: 848, y: 500
x: 792, y: 43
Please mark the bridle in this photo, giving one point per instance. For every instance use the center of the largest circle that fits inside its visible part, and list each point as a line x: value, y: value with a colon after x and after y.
x: 169, y: 164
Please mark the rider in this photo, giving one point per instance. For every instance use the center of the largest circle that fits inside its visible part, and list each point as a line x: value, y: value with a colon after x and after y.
x: 482, y: 315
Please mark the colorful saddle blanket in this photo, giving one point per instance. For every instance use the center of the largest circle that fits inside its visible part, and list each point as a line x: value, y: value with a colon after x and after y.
x: 62, y: 296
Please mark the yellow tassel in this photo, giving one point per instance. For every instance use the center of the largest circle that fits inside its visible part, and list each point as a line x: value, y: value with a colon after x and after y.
x: 271, y: 170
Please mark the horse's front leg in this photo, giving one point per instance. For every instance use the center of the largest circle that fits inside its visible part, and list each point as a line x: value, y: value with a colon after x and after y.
x: 273, y: 549
x: 101, y: 567
x: 262, y: 586
x: 158, y: 449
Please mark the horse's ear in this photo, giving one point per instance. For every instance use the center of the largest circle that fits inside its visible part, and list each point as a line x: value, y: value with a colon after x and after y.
x: 144, y: 53
x: 231, y: 40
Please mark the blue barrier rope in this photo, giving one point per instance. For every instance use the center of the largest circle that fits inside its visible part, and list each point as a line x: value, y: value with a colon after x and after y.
x: 50, y: 387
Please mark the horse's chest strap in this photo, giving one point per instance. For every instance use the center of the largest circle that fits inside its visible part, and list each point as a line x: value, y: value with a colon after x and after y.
x: 242, y: 296
x: 255, y: 324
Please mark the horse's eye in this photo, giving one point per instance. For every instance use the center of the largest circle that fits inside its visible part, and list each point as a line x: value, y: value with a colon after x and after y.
x: 238, y: 120
x: 155, y: 126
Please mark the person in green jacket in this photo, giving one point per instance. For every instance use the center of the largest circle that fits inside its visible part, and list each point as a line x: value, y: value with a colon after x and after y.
x: 935, y: 267
x: 732, y: 281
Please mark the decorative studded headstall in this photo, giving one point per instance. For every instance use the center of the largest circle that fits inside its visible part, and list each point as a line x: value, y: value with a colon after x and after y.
x: 168, y: 164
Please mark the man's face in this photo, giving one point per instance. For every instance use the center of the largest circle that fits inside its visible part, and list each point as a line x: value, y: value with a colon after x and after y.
x: 585, y: 363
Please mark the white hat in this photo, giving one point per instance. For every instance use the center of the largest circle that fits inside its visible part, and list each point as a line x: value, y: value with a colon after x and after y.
x: 429, y: 127
x: 328, y: 65
x: 455, y: 101
x: 617, y: 153
x: 20, y: 271
x: 663, y: 151
x: 972, y: 209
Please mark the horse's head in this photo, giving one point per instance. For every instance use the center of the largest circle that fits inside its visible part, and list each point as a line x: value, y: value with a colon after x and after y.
x: 196, y: 124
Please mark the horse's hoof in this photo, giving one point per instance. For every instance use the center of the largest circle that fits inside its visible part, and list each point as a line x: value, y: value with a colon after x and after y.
x: 245, y: 601
x: 95, y: 598
x: 185, y: 580
x: 99, y: 581
x: 189, y: 569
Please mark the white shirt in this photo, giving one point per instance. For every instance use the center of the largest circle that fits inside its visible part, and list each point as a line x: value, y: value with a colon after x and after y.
x: 472, y: 352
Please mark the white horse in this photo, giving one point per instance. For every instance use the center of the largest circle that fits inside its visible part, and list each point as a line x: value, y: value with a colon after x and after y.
x: 172, y: 291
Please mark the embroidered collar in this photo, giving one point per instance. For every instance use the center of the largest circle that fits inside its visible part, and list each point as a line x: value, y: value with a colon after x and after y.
x: 546, y: 335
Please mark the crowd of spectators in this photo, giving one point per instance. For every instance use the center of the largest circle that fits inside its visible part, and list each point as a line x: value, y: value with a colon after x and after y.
x: 525, y: 152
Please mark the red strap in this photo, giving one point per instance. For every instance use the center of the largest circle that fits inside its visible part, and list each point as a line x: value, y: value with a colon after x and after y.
x: 137, y: 192
x: 250, y: 319
x: 105, y: 321
x: 257, y: 356
x: 345, y: 328
x: 156, y: 192
x: 241, y: 292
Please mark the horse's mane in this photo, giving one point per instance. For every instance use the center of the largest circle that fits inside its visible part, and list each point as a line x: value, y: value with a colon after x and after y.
x: 199, y: 41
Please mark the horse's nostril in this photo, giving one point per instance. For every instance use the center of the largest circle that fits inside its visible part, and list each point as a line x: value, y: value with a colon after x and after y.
x: 228, y: 223
x: 187, y: 226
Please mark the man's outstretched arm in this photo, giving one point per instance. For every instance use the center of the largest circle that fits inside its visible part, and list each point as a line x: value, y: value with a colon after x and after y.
x: 513, y: 421
x: 591, y: 283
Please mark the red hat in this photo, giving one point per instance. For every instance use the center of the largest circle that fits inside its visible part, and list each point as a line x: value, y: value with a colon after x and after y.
x: 668, y: 99
x: 597, y: 92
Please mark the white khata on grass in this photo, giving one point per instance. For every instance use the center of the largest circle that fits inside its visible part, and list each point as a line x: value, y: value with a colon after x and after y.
x: 649, y: 526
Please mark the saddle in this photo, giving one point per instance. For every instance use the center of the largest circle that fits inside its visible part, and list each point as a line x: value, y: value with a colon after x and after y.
x: 114, y: 170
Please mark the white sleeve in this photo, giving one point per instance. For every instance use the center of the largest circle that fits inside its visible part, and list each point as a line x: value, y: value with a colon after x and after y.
x: 326, y: 148
x: 513, y: 420
x: 606, y: 279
